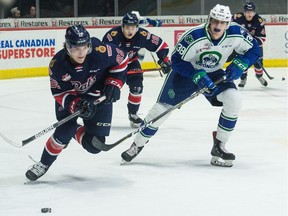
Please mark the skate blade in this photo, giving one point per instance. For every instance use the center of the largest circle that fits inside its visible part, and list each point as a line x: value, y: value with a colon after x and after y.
x: 123, y: 162
x: 217, y: 161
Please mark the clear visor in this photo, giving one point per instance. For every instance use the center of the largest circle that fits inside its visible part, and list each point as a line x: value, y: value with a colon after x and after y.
x: 78, y: 49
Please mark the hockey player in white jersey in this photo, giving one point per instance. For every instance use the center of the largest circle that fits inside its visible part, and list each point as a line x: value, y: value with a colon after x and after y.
x: 197, y: 62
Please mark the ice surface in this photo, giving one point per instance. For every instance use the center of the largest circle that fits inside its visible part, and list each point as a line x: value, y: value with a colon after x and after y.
x: 172, y: 175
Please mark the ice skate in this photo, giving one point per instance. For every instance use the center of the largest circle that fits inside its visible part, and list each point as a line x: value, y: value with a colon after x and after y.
x: 262, y: 80
x: 242, y: 83
x: 36, y: 171
x: 135, y: 120
x: 220, y: 156
x: 131, y: 153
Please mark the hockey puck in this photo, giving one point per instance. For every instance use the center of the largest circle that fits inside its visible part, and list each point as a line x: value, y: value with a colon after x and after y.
x: 46, y: 210
x: 283, y: 78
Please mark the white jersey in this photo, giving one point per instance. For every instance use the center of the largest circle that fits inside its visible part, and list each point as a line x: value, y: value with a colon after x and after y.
x: 197, y: 48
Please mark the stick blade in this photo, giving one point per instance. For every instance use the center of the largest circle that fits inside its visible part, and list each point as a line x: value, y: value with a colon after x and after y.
x: 102, y: 146
x: 11, y: 141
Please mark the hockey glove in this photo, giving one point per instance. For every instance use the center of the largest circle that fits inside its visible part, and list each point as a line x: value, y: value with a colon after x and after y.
x: 203, y: 81
x: 236, y: 68
x: 87, y: 108
x: 155, y: 23
x: 165, y: 65
x: 112, y: 90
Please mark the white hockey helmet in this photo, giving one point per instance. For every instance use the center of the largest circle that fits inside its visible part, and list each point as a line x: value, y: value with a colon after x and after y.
x: 222, y: 13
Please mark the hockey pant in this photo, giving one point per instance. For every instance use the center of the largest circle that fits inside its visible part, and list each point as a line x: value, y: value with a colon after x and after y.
x: 178, y: 88
x: 99, y: 126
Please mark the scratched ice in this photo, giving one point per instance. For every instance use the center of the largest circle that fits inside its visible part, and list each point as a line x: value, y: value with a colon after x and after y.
x: 172, y: 175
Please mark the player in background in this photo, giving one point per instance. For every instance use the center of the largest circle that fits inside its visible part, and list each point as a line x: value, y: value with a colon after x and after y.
x: 197, y: 62
x: 132, y: 38
x: 80, y: 73
x: 255, y: 25
x: 145, y: 22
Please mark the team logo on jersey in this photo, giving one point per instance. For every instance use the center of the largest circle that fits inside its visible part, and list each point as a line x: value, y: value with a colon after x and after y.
x: 109, y: 38
x: 155, y: 39
x: 209, y: 59
x: 101, y: 49
x: 114, y: 33
x: 109, y: 50
x: 189, y: 39
x: 52, y: 63
x: 144, y: 33
x: 171, y: 93
x: 120, y: 56
x: 82, y: 88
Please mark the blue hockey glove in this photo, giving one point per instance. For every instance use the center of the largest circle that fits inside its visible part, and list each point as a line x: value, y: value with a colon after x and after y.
x: 202, y: 80
x: 236, y: 68
x: 87, y: 108
x: 165, y: 65
x: 155, y: 23
x: 112, y: 90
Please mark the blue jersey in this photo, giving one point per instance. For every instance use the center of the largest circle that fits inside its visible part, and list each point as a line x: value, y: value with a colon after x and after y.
x: 255, y: 27
x: 142, y: 39
x: 196, y: 50
x: 69, y: 80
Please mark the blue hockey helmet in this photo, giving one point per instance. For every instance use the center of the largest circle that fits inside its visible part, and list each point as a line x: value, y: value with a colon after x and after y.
x: 130, y: 19
x: 77, y: 35
x: 249, y: 6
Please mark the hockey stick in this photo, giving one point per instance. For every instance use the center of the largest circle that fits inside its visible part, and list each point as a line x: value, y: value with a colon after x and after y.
x: 46, y: 130
x: 106, y: 147
x: 142, y: 70
x: 159, y: 69
x: 270, y: 77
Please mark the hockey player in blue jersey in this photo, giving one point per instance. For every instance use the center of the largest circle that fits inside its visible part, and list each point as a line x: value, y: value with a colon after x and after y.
x: 197, y: 62
x: 80, y: 73
x: 255, y: 26
x: 132, y: 38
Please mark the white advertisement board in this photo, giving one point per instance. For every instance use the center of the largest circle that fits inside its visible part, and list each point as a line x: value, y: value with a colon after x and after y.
x: 33, y: 49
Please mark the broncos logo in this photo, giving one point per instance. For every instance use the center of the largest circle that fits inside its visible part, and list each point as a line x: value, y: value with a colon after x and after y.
x: 209, y: 59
